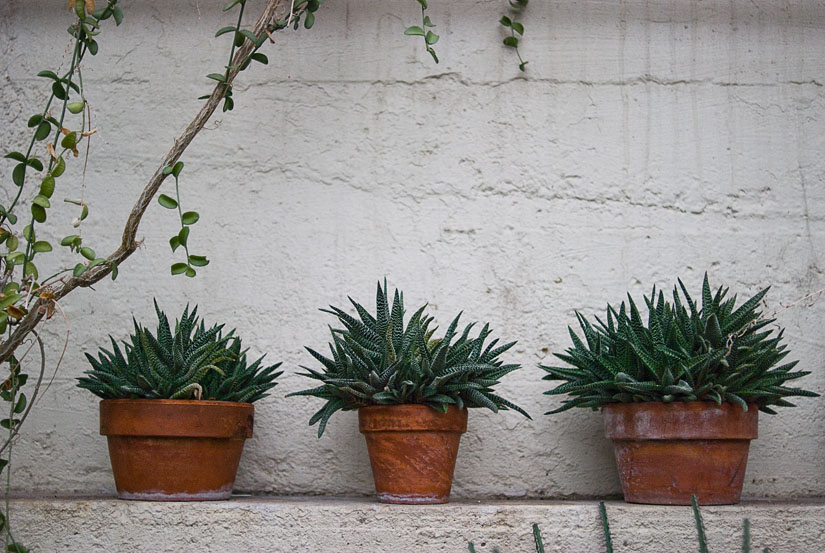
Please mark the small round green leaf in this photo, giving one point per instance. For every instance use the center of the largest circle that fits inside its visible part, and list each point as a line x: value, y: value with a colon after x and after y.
x: 18, y: 174
x: 35, y: 164
x: 88, y: 253
x: 28, y: 233
x: 39, y: 213
x: 47, y: 186
x: 75, y: 107
x: 30, y: 269
x: 198, y: 261
x: 59, y: 167
x: 167, y: 201
x: 190, y: 218
x: 58, y: 91
x: 179, y: 268
x: 183, y: 235
x: 69, y: 141
x: 16, y: 156
x: 42, y: 201
x: 41, y: 246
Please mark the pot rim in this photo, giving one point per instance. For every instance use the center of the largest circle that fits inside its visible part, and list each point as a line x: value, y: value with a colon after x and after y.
x: 685, y: 420
x: 176, y: 418
x: 411, y: 417
x: 174, y: 401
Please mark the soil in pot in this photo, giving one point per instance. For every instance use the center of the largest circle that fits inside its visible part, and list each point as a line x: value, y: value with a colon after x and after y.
x: 412, y: 449
x: 667, y: 451
x: 175, y: 450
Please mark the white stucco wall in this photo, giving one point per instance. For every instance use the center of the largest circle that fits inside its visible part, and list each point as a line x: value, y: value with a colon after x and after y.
x: 648, y: 140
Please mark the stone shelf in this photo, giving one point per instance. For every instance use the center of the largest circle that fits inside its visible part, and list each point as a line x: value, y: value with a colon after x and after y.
x: 359, y: 525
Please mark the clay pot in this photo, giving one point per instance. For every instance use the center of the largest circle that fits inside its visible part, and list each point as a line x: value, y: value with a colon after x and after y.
x: 175, y: 450
x: 412, y: 450
x: 667, y: 451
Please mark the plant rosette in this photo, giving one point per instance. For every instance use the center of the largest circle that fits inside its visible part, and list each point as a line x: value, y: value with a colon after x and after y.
x: 679, y: 395
x: 412, y: 393
x: 177, y: 409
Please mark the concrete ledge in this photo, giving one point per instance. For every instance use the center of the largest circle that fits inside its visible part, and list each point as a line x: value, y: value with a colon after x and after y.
x: 335, y: 525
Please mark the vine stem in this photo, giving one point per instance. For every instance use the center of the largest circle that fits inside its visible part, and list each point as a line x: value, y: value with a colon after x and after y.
x: 129, y: 242
x: 16, y: 429
x: 182, y: 225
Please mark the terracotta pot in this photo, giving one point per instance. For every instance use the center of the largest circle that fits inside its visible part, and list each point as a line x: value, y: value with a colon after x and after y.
x: 175, y: 450
x: 412, y: 450
x: 667, y: 451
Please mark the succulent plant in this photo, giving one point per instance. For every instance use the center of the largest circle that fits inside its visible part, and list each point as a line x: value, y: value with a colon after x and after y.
x: 376, y: 360
x: 686, y: 352
x: 193, y: 362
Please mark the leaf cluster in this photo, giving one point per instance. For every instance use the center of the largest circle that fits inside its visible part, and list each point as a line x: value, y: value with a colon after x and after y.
x: 377, y: 360
x: 687, y: 351
x: 192, y: 362
x: 187, y: 219
x: 20, y: 254
x: 515, y: 27
x: 424, y: 31
x: 305, y: 8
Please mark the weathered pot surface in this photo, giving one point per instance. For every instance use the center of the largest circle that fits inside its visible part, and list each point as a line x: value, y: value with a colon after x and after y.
x: 665, y: 452
x: 175, y: 450
x: 413, y: 450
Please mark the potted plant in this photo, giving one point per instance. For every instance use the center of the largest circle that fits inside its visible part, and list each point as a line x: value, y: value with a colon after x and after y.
x: 680, y: 394
x: 411, y: 391
x: 176, y: 408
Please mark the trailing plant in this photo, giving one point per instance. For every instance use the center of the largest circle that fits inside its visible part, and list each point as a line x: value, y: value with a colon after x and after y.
x: 687, y: 351
x: 377, y: 360
x: 608, y: 539
x: 424, y: 31
x: 512, y: 41
x: 187, y: 219
x: 192, y: 362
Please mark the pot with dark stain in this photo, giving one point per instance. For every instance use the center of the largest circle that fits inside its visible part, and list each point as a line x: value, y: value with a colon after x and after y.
x: 175, y: 450
x: 667, y: 451
x: 412, y: 449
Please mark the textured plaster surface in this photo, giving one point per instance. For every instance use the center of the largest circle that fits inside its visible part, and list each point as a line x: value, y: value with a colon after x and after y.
x: 358, y: 526
x: 648, y: 140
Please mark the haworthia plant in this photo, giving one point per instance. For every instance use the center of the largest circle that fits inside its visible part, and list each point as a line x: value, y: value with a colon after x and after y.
x: 378, y: 360
x: 707, y: 350
x: 193, y: 362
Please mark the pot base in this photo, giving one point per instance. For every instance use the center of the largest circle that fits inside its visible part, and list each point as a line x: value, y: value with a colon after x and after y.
x: 668, y: 472
x: 412, y: 499
x: 206, y: 495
